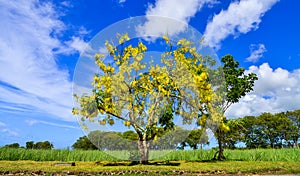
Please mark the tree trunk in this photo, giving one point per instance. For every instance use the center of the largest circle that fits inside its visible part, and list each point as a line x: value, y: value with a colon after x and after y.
x: 144, y: 150
x: 296, y: 143
x: 220, y: 152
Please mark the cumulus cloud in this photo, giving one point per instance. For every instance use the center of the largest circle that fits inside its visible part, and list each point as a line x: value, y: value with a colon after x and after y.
x: 256, y: 52
x: 173, y: 9
x: 240, y: 17
x: 30, y: 79
x: 276, y: 90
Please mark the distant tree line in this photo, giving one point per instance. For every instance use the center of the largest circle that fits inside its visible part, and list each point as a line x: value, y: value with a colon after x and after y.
x: 280, y: 130
x: 46, y: 145
x: 177, y: 139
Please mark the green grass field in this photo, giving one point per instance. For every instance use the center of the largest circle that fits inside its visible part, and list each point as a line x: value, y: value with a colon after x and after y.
x: 183, y: 168
x: 189, y: 162
x: 275, y: 155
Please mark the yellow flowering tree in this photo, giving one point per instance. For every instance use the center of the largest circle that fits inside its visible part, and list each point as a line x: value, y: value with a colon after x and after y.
x: 145, y: 96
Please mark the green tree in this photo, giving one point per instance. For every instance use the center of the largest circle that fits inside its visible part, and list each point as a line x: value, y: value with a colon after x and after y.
x: 150, y: 94
x: 46, y: 145
x: 277, y: 128
x: 235, y: 133
x: 271, y: 126
x: 236, y: 84
x: 287, y: 130
x: 253, y: 134
x: 171, y: 140
x: 196, y: 138
x: 130, y: 135
x: 13, y: 145
x: 83, y: 143
x: 295, y: 118
x: 29, y: 145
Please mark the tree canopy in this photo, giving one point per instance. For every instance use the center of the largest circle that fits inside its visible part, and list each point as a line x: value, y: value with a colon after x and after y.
x: 145, y: 96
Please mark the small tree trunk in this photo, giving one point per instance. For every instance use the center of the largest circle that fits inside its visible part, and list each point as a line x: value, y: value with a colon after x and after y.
x: 144, y: 150
x: 296, y: 143
x: 221, y: 150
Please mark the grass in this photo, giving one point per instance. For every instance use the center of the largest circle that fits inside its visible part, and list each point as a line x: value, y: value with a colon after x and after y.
x: 264, y: 155
x: 187, y: 168
x: 275, y: 155
x: 189, y: 162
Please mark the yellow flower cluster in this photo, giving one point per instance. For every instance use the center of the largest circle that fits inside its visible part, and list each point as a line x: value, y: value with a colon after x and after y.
x: 123, y: 38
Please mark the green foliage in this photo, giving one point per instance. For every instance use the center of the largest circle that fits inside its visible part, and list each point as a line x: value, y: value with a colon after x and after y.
x: 83, y: 143
x: 264, y: 131
x: 115, y: 140
x: 43, y: 145
x: 270, y: 130
x: 13, y: 145
x: 234, y: 134
x: 196, y: 138
x: 130, y: 135
x: 30, y: 145
x: 39, y: 145
x: 236, y: 84
x: 294, y: 116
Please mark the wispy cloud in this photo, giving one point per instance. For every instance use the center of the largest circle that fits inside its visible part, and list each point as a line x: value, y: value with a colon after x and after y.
x: 2, y: 124
x: 256, y: 52
x: 75, y: 44
x: 276, y: 90
x: 29, y: 73
x: 240, y: 17
x: 173, y: 9
x: 33, y: 122
x: 9, y: 132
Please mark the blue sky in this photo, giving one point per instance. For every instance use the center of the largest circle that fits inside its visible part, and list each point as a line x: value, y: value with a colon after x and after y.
x: 40, y: 42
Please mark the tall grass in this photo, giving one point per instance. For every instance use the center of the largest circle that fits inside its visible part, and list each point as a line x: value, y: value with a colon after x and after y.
x: 264, y: 155
x: 292, y: 155
x: 53, y: 155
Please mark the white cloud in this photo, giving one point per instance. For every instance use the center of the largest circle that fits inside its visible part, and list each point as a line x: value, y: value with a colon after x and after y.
x: 83, y: 31
x: 33, y: 122
x: 9, y: 132
x: 66, y: 3
x: 29, y: 75
x: 240, y: 17
x: 75, y: 44
x: 276, y: 90
x: 173, y: 9
x: 2, y: 124
x: 256, y: 52
x: 122, y: 1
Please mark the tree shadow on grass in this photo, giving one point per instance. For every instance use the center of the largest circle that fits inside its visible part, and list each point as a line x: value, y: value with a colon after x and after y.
x: 133, y: 163
x: 203, y: 161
